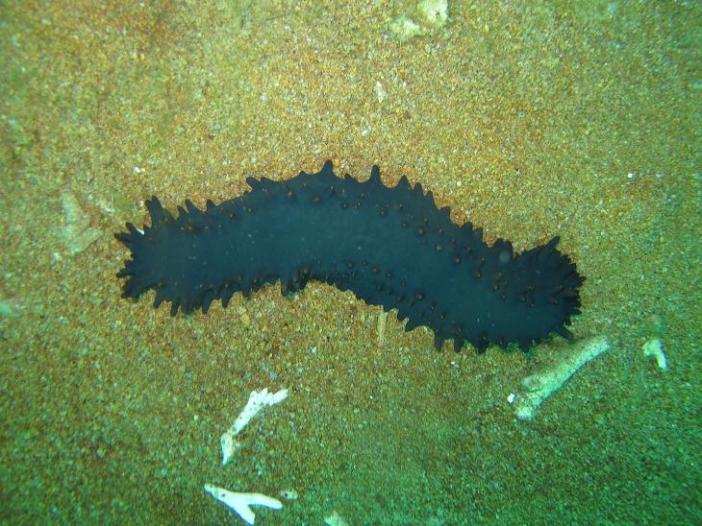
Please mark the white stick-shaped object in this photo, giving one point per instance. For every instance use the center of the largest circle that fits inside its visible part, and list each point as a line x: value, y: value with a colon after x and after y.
x: 241, y: 502
x: 538, y: 387
x: 654, y: 348
x: 257, y: 401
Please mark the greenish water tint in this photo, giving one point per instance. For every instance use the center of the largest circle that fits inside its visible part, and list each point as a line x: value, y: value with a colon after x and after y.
x: 580, y: 120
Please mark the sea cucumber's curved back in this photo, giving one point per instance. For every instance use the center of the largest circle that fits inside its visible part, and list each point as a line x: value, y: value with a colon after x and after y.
x: 390, y: 246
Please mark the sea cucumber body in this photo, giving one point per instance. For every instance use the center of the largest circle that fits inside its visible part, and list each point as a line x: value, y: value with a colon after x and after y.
x: 390, y: 245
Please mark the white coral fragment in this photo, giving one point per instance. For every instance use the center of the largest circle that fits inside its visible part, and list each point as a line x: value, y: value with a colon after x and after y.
x: 434, y: 11
x: 538, y: 387
x: 241, y: 502
x: 257, y: 401
x: 654, y: 348
x: 431, y: 15
x: 404, y: 28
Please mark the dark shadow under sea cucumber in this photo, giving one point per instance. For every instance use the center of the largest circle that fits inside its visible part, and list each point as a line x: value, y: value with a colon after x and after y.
x: 391, y: 246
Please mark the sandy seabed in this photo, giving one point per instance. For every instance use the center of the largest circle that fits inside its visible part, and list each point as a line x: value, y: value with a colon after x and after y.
x: 578, y: 119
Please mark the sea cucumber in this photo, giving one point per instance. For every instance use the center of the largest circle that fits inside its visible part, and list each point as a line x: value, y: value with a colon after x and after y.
x: 391, y: 246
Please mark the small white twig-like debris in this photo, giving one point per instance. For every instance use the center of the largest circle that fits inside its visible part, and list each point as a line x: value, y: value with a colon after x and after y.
x: 654, y: 348
x: 382, y: 318
x: 241, y: 502
x: 540, y: 386
x: 380, y: 91
x: 257, y: 401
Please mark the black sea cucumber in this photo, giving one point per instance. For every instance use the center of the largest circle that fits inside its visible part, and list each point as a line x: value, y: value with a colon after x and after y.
x: 390, y: 245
